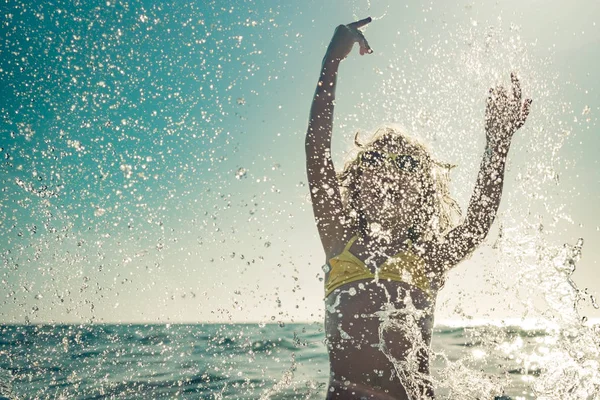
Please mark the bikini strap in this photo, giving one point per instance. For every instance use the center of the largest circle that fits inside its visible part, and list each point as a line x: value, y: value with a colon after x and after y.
x: 350, y: 242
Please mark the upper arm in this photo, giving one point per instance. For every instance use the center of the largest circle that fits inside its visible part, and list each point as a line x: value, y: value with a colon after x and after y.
x: 325, y: 195
x: 456, y: 245
x: 461, y: 241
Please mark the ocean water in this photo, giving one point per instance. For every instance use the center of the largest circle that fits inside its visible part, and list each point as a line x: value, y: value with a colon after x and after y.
x: 240, y: 361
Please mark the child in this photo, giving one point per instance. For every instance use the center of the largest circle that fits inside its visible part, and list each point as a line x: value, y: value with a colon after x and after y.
x: 385, y: 237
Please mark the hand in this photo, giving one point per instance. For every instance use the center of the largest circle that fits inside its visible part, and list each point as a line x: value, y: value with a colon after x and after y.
x: 344, y: 38
x: 505, y: 114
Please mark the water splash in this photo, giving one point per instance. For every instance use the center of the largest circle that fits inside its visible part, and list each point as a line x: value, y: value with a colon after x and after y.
x: 463, y: 381
x: 564, y: 362
x: 360, y: 13
x: 6, y: 389
x: 406, y: 320
x: 284, y: 383
x: 219, y: 395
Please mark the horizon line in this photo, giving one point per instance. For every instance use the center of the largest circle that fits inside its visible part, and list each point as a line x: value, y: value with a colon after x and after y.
x: 530, y: 323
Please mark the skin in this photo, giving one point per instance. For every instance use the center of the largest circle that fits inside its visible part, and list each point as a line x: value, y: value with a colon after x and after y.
x: 391, y: 199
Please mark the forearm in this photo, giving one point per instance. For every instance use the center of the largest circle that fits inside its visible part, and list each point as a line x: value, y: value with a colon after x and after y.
x: 488, y: 192
x: 503, y: 116
x: 320, y: 123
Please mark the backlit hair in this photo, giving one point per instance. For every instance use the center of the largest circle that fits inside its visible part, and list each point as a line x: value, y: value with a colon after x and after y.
x: 441, y: 211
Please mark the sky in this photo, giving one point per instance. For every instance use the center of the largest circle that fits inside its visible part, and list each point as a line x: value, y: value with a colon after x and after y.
x: 153, y: 167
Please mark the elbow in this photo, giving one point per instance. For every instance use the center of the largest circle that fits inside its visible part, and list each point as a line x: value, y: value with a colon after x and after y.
x: 479, y: 225
x: 475, y: 233
x: 475, y: 239
x: 480, y: 231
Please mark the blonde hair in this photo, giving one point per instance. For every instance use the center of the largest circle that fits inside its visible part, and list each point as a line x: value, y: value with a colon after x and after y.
x: 441, y: 210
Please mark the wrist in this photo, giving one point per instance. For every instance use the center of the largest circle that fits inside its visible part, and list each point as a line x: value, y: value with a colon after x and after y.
x: 329, y: 71
x: 496, y: 147
x: 330, y: 61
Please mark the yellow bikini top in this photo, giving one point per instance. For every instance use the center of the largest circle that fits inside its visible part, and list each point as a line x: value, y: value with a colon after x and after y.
x: 406, y: 266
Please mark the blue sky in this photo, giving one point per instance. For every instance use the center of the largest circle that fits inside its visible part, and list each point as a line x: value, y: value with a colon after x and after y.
x: 153, y: 164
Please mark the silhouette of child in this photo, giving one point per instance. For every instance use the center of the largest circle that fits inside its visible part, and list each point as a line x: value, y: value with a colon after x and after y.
x: 385, y: 228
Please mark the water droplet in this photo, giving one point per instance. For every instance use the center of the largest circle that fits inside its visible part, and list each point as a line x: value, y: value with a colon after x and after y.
x: 594, y: 303
x: 127, y: 170
x: 241, y: 173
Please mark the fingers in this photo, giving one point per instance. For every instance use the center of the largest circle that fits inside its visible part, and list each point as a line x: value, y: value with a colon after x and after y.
x: 364, y: 45
x: 524, y: 112
x: 510, y: 111
x: 516, y: 87
x: 501, y: 94
x: 527, y: 107
x: 360, y: 38
x: 498, y: 92
x: 490, y: 98
x: 359, y: 24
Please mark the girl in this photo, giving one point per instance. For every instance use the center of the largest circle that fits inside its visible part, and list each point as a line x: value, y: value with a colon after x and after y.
x: 386, y: 245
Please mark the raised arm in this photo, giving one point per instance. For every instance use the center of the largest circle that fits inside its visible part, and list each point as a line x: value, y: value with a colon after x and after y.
x: 504, y: 115
x: 324, y: 189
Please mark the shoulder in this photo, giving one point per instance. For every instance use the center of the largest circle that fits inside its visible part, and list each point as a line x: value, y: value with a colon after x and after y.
x: 337, y: 244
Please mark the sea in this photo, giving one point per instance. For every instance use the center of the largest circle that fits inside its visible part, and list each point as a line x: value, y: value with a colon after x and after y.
x: 265, y: 361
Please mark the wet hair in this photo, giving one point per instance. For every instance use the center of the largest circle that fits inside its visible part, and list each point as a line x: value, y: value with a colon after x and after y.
x: 439, y: 212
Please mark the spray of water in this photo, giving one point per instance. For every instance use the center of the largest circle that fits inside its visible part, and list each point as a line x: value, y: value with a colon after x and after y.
x: 564, y: 360
x: 6, y: 389
x: 568, y: 356
x: 284, y: 383
x: 406, y: 321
